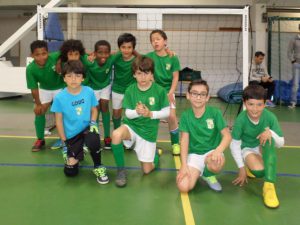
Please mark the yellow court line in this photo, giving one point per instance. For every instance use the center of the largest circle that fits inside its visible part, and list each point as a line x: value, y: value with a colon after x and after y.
x: 186, y: 205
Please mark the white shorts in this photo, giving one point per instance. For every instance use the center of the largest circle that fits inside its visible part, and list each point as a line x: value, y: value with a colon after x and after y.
x: 47, y: 96
x: 103, y: 93
x: 197, y: 161
x: 145, y: 150
x: 117, y: 100
x: 247, y: 151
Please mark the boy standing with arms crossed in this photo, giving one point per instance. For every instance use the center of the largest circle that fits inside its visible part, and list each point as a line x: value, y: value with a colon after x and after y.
x: 145, y: 103
x: 204, y: 138
x: 76, y: 112
x: 44, y: 83
x: 255, y: 133
x: 166, y: 74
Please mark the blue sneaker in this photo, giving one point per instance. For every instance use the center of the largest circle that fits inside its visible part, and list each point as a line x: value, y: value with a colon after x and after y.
x: 57, y: 145
x: 213, y: 183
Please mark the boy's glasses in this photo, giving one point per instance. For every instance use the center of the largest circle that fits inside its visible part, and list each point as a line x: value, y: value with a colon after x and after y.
x: 198, y: 95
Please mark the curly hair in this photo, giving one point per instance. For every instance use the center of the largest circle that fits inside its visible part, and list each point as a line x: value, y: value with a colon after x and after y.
x: 71, y: 45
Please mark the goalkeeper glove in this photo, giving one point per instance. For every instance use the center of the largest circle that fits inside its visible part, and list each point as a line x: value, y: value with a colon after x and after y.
x: 94, y: 127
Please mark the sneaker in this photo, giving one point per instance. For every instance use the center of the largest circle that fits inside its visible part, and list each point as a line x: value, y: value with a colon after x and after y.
x: 269, y: 195
x: 270, y: 104
x: 57, y: 145
x: 38, y: 145
x: 213, y: 183
x: 121, y: 179
x: 249, y: 174
x: 292, y: 105
x: 176, y: 149
x: 101, y: 175
x: 107, y: 143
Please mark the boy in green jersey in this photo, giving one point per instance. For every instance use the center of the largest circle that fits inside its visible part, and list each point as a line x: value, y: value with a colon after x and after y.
x: 122, y: 77
x: 166, y: 74
x: 44, y: 83
x: 145, y: 103
x: 255, y: 133
x: 204, y: 138
x: 99, y: 73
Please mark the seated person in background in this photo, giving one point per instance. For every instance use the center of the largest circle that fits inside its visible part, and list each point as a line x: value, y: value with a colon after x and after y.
x: 259, y: 75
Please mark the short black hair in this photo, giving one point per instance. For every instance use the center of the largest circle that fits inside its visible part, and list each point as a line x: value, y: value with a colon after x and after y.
x: 71, y: 45
x: 38, y: 44
x: 125, y: 38
x: 161, y: 32
x: 102, y: 43
x: 254, y: 91
x: 198, y: 82
x: 73, y: 66
x: 144, y: 64
x: 259, y: 53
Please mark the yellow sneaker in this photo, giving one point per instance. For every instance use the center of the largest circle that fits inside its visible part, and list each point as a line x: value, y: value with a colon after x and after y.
x: 176, y: 149
x: 249, y: 174
x: 269, y: 195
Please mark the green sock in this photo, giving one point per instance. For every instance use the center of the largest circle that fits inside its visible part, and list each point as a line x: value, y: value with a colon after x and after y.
x: 174, y: 136
x: 40, y: 122
x: 207, y: 172
x: 156, y: 160
x: 258, y: 173
x: 270, y: 161
x: 118, y: 151
x: 116, y: 122
x: 106, y: 123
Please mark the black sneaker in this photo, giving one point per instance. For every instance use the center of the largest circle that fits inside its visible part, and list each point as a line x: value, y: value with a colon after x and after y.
x: 101, y: 175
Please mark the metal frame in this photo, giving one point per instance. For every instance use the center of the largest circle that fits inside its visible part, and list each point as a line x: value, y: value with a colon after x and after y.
x: 158, y: 12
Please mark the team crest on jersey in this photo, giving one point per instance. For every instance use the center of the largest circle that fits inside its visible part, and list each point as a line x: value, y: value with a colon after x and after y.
x: 78, y: 110
x: 210, y: 123
x: 107, y: 70
x: 168, y: 66
x: 151, y: 101
x: 53, y: 68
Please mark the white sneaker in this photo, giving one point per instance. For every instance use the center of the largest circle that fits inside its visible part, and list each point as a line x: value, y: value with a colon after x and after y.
x: 292, y: 105
x: 213, y: 183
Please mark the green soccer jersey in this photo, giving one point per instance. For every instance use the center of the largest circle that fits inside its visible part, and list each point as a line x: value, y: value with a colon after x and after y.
x: 164, y: 67
x: 155, y: 98
x: 204, y: 132
x: 123, y: 75
x: 247, y: 131
x: 98, y: 76
x: 44, y: 77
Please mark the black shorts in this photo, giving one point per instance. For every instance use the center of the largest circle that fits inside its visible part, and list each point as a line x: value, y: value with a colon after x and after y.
x: 75, y: 144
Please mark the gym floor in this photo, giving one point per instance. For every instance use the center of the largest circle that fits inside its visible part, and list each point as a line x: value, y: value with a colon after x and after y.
x: 35, y: 191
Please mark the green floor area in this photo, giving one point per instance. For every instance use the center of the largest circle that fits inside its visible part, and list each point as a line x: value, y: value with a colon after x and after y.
x: 34, y: 190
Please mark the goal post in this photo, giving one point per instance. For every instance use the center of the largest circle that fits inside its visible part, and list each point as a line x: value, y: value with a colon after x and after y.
x: 184, y: 37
